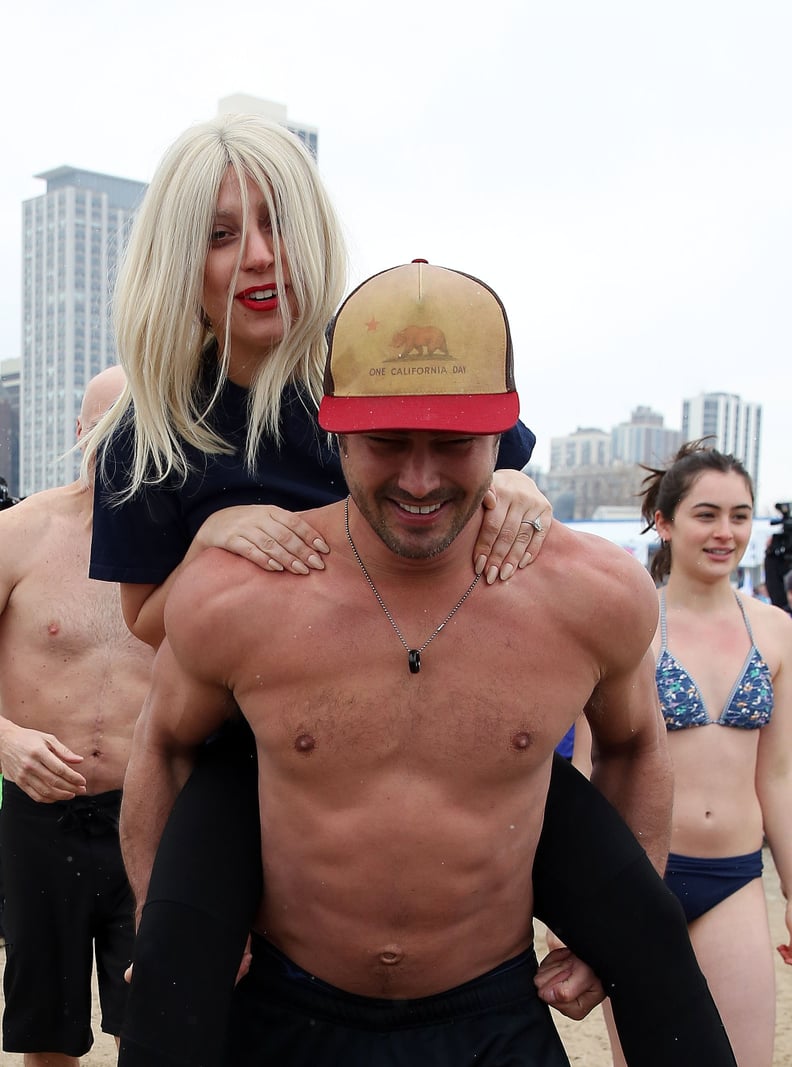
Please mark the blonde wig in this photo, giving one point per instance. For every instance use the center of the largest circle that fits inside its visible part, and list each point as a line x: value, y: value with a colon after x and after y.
x: 161, y: 330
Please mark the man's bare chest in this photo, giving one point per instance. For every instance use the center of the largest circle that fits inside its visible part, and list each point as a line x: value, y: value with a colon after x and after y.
x: 58, y: 607
x: 352, y: 700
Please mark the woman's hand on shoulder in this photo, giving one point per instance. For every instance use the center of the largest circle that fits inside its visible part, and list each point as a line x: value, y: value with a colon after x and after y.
x: 516, y: 520
x: 271, y: 537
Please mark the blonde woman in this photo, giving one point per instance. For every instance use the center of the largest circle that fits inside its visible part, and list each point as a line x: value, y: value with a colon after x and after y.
x: 236, y: 228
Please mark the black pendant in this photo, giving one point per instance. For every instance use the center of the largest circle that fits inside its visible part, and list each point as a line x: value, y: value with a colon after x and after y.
x: 414, y: 659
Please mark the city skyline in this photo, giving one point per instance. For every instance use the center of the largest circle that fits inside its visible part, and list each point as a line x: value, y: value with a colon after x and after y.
x: 593, y: 469
x: 640, y: 414
x: 621, y: 180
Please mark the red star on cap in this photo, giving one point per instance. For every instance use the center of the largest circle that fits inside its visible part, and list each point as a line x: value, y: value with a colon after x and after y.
x: 372, y: 325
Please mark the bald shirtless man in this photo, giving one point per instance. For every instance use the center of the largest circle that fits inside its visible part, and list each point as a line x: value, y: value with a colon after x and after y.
x: 72, y: 683
x: 405, y: 714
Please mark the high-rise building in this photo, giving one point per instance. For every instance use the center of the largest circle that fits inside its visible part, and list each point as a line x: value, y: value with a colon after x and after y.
x: 735, y: 425
x: 580, y: 465
x: 268, y: 109
x: 72, y: 236
x: 592, y: 470
x: 644, y: 439
x: 9, y: 424
x: 586, y: 447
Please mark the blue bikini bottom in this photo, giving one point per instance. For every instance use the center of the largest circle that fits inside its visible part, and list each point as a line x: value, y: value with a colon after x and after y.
x: 700, y: 884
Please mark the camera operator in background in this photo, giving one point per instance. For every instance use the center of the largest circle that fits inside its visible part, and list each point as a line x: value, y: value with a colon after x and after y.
x: 778, y: 558
x: 6, y: 500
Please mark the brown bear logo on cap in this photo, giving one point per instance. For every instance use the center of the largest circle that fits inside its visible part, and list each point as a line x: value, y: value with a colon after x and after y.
x: 420, y: 342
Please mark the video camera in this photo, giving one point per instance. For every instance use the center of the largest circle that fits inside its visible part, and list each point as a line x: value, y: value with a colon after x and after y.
x: 778, y: 557
x: 6, y: 500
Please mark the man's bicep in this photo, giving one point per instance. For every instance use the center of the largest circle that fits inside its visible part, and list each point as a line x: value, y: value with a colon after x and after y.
x: 623, y: 711
x: 183, y: 708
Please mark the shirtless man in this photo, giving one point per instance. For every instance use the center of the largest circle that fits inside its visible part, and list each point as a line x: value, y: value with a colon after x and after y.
x: 72, y: 683
x: 405, y: 715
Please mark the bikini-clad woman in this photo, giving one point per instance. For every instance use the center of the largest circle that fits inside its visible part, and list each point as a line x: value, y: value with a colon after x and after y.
x: 724, y: 678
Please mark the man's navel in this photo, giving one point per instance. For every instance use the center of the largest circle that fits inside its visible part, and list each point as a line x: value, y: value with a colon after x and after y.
x: 391, y: 955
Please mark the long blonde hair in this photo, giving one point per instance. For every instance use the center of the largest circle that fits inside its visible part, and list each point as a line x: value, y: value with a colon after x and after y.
x: 161, y: 331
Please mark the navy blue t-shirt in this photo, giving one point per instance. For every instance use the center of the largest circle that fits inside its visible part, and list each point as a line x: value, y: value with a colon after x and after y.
x: 145, y: 538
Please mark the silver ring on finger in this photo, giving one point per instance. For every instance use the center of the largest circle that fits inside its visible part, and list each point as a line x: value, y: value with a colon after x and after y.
x: 536, y: 523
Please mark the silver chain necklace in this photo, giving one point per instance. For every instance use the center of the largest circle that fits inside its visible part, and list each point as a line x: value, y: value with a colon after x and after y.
x: 413, y: 654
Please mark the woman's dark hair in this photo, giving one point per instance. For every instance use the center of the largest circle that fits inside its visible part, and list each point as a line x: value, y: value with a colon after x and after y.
x: 663, y: 489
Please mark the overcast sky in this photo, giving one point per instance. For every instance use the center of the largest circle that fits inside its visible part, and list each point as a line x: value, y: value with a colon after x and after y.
x: 619, y: 171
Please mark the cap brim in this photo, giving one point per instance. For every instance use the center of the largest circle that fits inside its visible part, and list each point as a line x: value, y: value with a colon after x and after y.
x: 479, y: 414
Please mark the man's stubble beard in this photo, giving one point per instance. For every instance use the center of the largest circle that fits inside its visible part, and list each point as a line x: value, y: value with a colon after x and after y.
x: 416, y: 551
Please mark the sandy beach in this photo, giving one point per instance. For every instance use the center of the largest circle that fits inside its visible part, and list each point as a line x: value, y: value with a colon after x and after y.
x: 586, y: 1042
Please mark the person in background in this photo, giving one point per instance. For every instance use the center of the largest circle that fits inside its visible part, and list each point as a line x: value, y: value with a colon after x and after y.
x: 724, y: 677
x: 72, y: 683
x: 760, y: 592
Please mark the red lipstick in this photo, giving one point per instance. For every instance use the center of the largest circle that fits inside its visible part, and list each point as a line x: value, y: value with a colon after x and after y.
x: 259, y: 298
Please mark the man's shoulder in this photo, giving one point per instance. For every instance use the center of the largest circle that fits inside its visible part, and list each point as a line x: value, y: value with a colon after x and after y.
x: 42, y: 513
x: 213, y: 571
x: 601, y: 598
x: 603, y: 579
x: 594, y: 555
x: 204, y: 606
x: 217, y: 574
x: 218, y: 585
x: 42, y: 539
x: 223, y: 608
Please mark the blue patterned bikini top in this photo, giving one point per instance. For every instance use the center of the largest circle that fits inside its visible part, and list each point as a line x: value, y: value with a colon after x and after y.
x: 750, y: 702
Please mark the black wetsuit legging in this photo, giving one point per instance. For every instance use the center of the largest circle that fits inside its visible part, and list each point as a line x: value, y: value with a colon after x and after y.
x: 593, y: 885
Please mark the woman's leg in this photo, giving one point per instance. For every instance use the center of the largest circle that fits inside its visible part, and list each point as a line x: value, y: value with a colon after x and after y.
x: 613, y: 1037
x: 733, y: 946
x: 205, y: 888
x: 596, y: 889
